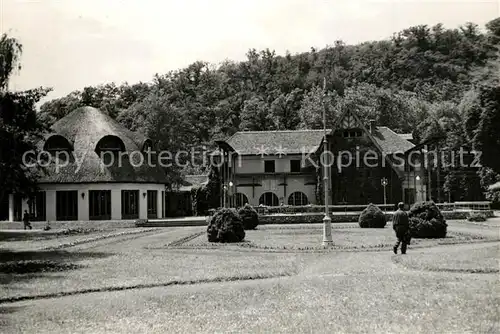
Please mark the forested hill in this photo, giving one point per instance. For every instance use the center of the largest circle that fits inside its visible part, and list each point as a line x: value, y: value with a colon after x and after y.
x: 423, y: 80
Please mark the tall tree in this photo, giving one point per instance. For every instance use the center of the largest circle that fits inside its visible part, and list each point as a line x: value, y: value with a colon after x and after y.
x: 20, y: 127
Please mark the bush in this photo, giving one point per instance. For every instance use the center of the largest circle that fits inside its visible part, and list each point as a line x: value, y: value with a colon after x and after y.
x: 372, y: 216
x: 477, y: 217
x: 249, y: 217
x: 426, y: 221
x: 225, y: 226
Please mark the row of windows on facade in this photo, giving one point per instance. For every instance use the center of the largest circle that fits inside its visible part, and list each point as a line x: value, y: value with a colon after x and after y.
x: 99, y: 205
x: 270, y: 166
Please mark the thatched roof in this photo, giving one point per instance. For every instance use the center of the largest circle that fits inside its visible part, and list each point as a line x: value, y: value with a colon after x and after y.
x: 84, y: 128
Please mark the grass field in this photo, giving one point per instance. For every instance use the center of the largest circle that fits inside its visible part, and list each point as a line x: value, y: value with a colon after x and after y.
x: 345, y: 237
x: 279, y: 281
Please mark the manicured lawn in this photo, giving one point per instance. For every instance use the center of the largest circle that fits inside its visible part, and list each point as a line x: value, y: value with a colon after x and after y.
x: 339, y: 293
x: 464, y: 259
x: 179, y: 283
x: 309, y: 237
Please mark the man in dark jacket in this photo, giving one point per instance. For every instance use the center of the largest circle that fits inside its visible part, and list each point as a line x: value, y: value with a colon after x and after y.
x: 401, y: 226
x: 26, y: 220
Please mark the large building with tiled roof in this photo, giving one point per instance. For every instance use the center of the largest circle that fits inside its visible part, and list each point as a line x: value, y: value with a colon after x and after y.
x: 283, y: 167
x: 94, y: 169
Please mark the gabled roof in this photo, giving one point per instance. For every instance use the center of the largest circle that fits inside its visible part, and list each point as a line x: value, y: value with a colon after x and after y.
x: 389, y: 141
x: 406, y: 136
x: 271, y: 142
x: 84, y: 128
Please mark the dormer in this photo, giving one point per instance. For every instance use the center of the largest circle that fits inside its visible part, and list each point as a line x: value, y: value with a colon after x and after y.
x: 57, y: 143
x: 109, y: 146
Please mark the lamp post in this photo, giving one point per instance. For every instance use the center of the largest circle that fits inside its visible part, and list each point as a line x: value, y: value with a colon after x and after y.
x: 421, y: 191
x: 224, y: 195
x: 384, y: 184
x: 231, y: 193
x: 327, y: 221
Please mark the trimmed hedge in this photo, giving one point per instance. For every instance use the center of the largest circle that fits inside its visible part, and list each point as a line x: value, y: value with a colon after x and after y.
x: 290, y: 209
x: 477, y: 217
x: 249, y: 217
x: 225, y: 226
x: 372, y: 217
x: 426, y: 221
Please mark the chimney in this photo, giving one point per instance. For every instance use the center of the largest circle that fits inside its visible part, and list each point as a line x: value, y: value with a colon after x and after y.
x: 372, y: 126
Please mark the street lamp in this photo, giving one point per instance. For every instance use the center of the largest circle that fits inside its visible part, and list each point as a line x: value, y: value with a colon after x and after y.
x: 230, y: 198
x: 224, y: 196
x: 327, y: 221
x: 384, y: 184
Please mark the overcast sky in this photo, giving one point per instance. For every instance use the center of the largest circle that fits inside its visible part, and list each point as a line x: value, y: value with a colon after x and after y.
x: 75, y: 43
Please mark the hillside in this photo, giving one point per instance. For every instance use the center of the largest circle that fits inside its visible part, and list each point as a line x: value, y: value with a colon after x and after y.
x: 425, y: 80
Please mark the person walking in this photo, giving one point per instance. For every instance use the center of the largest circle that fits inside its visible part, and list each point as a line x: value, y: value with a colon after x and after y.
x: 401, y: 226
x: 26, y: 220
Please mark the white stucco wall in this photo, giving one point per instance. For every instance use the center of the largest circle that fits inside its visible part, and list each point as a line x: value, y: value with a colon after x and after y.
x: 255, y: 164
x: 83, y: 202
x: 272, y: 184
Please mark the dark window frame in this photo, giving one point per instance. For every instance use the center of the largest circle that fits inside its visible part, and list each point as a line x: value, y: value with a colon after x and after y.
x: 295, y: 166
x: 152, y: 204
x: 99, y: 204
x: 129, y: 197
x: 267, y: 164
x: 66, y: 205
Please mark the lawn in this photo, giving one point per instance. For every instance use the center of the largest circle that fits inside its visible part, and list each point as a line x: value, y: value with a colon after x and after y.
x: 343, y: 293
x: 176, y: 282
x: 309, y: 237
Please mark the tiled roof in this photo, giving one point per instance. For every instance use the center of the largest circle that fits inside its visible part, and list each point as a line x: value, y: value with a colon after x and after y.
x: 292, y: 142
x: 390, y: 141
x: 406, y: 136
x: 84, y: 128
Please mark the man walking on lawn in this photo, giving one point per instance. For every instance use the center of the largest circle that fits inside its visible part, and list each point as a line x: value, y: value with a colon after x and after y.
x: 401, y: 225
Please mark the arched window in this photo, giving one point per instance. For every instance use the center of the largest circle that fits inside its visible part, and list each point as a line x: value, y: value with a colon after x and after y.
x: 240, y: 200
x: 297, y: 198
x: 108, y: 147
x: 269, y: 199
x: 57, y: 143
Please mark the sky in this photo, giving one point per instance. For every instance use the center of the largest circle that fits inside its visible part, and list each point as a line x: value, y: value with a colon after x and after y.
x: 70, y: 44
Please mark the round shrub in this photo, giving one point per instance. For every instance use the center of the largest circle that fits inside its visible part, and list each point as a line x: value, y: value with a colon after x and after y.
x: 225, y: 226
x: 426, y: 221
x: 249, y: 217
x: 371, y: 217
x: 477, y: 217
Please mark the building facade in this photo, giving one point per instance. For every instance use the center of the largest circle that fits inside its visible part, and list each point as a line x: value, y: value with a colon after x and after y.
x: 364, y: 163
x: 93, y: 169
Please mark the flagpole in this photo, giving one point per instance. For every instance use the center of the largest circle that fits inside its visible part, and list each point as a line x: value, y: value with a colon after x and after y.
x: 327, y: 221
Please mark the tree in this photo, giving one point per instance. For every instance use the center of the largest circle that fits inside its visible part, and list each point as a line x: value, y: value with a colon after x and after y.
x: 20, y: 127
x: 255, y: 115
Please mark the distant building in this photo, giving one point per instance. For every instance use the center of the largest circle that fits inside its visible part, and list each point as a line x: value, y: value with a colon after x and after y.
x: 281, y: 167
x: 93, y: 185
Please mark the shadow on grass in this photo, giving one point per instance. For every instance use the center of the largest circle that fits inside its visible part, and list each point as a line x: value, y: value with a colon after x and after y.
x: 28, y: 262
x: 10, y: 309
x: 25, y: 235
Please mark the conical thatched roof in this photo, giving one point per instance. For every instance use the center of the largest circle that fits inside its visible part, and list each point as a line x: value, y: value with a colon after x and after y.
x: 84, y: 128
